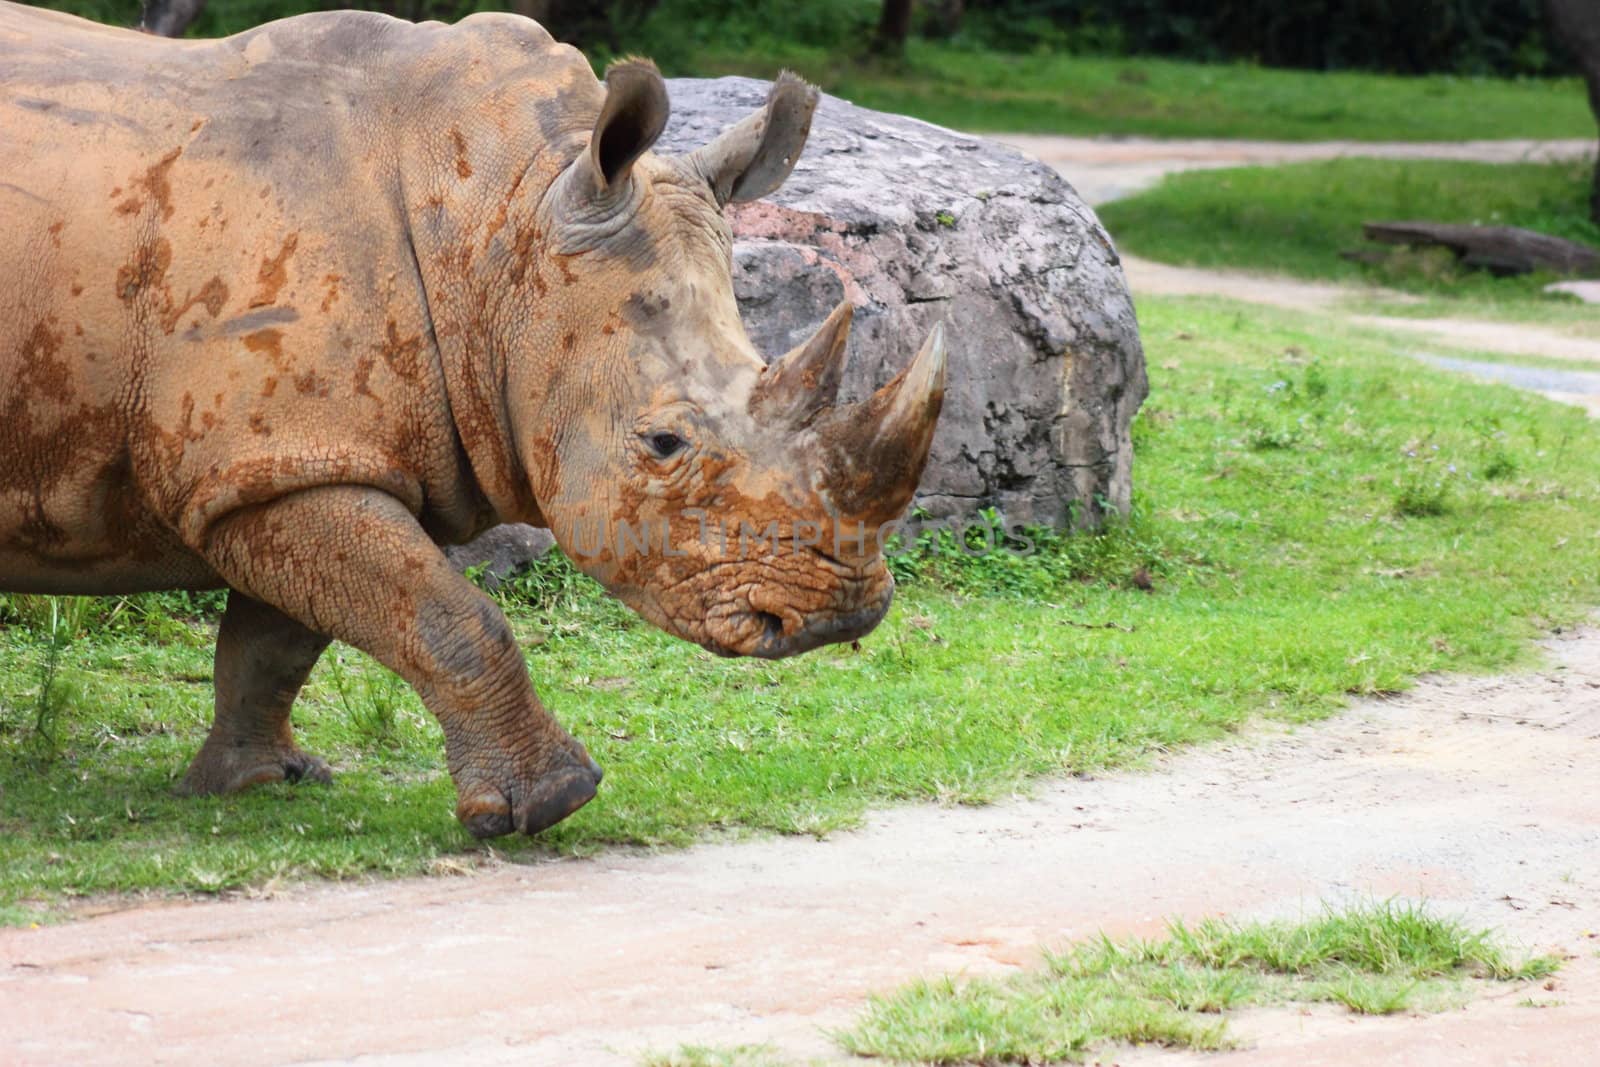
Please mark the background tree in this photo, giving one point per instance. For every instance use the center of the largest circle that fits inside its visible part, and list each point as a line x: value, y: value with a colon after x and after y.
x: 1577, y: 26
x: 894, y: 26
x: 944, y: 17
x: 586, y: 23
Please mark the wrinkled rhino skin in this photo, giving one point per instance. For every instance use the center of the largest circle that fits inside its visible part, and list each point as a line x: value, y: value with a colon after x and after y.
x: 290, y: 310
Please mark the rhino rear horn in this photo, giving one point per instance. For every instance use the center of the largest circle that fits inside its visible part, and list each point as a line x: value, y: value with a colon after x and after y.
x: 631, y: 119
x: 752, y: 158
x: 806, y: 379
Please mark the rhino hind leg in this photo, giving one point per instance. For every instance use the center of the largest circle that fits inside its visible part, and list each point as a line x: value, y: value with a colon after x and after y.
x: 263, y: 658
x: 352, y: 562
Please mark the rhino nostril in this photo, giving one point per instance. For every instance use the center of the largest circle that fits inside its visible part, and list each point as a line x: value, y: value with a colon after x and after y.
x: 773, y: 624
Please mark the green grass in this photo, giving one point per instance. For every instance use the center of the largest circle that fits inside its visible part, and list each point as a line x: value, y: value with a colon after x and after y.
x: 1177, y: 991
x: 1296, y: 220
x: 982, y: 90
x: 1292, y: 480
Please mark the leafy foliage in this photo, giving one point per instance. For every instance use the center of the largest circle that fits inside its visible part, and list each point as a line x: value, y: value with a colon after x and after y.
x: 1050, y: 85
x: 1471, y: 37
x: 1474, y: 37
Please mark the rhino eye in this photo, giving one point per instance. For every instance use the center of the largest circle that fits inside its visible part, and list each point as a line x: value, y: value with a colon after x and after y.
x: 665, y: 444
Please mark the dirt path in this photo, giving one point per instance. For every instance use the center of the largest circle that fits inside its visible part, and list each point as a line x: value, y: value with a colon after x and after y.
x: 1105, y: 168
x: 1580, y: 387
x: 1148, y: 278
x: 1478, y: 795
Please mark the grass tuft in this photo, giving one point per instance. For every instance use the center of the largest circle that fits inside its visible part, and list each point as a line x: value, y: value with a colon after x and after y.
x: 1378, y: 959
x: 1387, y: 939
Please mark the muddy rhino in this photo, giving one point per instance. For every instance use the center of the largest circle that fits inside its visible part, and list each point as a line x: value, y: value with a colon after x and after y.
x: 285, y: 312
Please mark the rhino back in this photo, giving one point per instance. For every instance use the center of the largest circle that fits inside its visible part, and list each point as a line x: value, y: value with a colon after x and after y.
x: 217, y: 298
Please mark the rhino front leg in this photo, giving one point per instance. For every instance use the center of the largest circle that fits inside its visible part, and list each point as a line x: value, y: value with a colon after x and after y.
x: 353, y: 563
x: 263, y: 658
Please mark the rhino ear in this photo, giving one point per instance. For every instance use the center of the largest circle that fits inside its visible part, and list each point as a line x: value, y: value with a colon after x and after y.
x: 633, y: 116
x: 753, y: 158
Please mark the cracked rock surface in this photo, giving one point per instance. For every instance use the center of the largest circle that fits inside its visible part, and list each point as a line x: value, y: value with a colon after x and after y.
x: 913, y: 223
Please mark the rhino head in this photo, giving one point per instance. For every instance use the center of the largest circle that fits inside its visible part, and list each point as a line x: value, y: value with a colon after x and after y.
x: 733, y: 503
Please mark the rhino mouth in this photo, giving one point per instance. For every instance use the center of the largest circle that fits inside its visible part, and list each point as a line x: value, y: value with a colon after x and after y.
x: 770, y: 642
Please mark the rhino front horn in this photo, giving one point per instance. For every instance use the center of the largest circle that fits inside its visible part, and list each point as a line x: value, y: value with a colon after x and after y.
x: 806, y: 379
x: 913, y: 399
x: 879, y: 448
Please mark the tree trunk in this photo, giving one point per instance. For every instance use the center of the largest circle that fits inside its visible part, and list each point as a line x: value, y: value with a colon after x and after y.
x: 1497, y: 249
x: 945, y: 18
x: 894, y: 26
x: 1577, y: 26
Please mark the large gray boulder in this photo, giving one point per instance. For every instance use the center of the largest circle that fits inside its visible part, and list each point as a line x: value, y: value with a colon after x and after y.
x: 501, y: 552
x: 913, y: 223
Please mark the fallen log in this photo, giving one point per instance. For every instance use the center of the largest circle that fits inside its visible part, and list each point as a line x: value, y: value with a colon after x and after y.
x: 1498, y: 249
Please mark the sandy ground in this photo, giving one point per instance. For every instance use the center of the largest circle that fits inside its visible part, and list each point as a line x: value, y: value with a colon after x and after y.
x: 1478, y: 795
x: 1514, y: 339
x: 1105, y: 168
x: 1579, y: 386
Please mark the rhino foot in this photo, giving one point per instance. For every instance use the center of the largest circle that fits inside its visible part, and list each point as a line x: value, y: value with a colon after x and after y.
x: 231, y: 769
x: 492, y: 812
